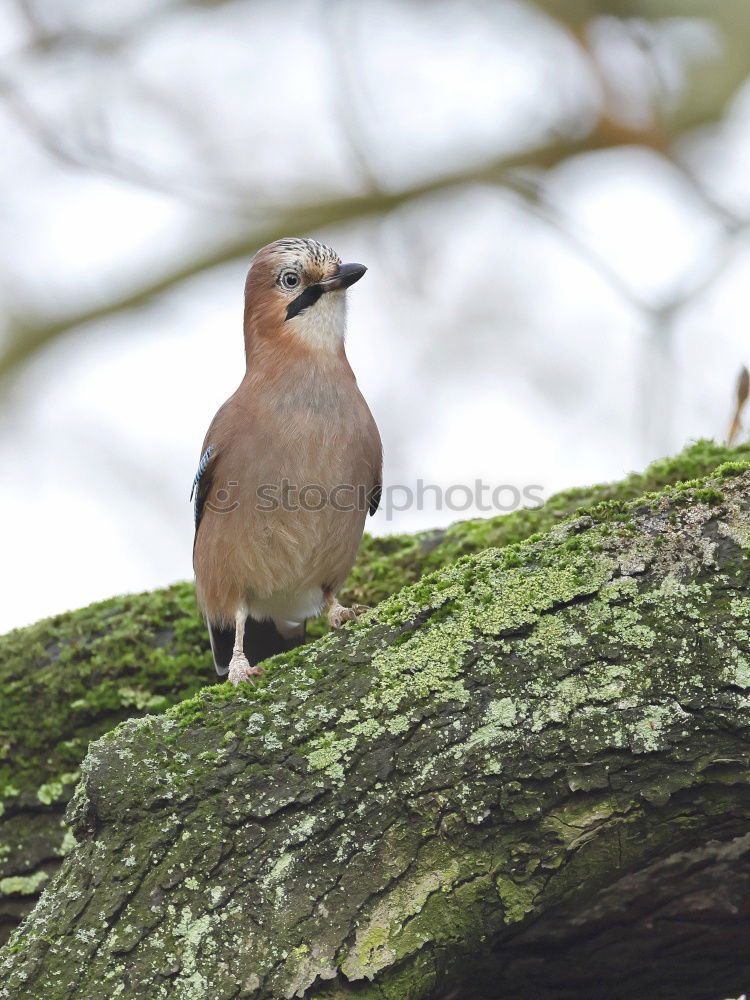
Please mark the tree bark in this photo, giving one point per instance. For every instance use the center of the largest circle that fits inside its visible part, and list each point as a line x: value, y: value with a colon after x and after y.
x: 526, y: 774
x: 86, y: 671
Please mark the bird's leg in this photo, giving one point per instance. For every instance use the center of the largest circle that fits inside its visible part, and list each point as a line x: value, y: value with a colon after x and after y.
x: 239, y: 665
x: 337, y: 613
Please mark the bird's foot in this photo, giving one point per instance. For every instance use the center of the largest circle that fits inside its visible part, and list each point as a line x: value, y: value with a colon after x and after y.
x: 240, y: 669
x: 338, y: 614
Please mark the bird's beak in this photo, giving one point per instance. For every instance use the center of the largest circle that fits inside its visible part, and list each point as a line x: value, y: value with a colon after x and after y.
x: 347, y: 275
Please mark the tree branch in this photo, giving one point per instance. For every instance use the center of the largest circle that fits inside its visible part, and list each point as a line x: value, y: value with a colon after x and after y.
x: 29, y: 335
x: 527, y: 743
x: 88, y: 670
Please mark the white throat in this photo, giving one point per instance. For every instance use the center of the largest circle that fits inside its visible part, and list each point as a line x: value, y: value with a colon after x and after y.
x: 323, y: 325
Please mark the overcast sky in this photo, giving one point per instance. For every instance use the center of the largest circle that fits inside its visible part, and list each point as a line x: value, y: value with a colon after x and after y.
x: 489, y: 344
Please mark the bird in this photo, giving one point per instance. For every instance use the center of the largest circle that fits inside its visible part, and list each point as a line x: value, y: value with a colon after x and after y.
x: 290, y: 467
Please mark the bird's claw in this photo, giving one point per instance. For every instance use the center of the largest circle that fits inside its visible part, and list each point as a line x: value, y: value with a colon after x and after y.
x: 240, y: 670
x: 338, y: 615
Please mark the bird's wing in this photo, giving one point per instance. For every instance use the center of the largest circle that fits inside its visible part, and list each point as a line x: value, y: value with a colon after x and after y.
x: 374, y: 499
x: 202, y: 484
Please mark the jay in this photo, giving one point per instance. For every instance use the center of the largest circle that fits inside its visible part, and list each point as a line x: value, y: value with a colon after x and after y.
x: 289, y: 468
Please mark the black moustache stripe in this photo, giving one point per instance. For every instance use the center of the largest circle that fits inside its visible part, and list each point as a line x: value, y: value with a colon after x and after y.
x: 307, y: 298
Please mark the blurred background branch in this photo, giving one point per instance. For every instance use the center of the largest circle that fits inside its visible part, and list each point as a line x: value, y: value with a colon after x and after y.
x: 28, y: 334
x: 669, y: 109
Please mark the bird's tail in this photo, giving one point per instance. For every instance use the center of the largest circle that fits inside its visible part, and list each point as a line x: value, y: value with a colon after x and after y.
x: 262, y: 639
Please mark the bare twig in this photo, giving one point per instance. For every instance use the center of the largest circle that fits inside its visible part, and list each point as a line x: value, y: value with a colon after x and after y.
x: 742, y: 392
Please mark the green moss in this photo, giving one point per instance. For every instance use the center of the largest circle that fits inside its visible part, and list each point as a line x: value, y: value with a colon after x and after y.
x: 517, y: 900
x: 55, y: 790
x: 731, y: 469
x: 83, y: 672
x: 22, y: 885
x: 710, y: 496
x: 386, y: 564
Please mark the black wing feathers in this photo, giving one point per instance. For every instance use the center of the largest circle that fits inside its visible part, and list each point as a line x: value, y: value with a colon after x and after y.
x: 374, y: 499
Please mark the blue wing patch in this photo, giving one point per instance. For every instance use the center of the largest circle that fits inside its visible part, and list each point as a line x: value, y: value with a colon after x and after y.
x: 199, y: 494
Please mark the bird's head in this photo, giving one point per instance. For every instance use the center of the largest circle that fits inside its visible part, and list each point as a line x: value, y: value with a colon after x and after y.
x: 296, y: 288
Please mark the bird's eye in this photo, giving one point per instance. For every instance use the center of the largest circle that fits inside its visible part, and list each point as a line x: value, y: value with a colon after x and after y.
x: 289, y: 279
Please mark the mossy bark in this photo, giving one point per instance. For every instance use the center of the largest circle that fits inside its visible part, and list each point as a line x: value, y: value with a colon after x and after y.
x: 506, y: 759
x: 71, y: 678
